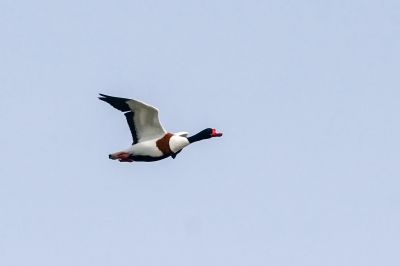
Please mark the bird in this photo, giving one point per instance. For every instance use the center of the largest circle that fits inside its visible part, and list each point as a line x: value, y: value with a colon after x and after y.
x: 150, y: 141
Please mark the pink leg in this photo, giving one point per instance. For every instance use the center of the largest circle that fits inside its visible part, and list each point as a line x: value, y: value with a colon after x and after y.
x: 120, y: 156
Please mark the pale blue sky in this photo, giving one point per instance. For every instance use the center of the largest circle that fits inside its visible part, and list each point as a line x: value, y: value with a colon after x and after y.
x: 306, y: 92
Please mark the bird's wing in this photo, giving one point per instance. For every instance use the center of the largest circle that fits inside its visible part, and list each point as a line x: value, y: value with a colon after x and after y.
x: 175, y: 154
x: 142, y: 118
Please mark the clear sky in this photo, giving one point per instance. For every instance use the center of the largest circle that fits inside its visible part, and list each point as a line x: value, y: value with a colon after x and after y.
x: 306, y: 93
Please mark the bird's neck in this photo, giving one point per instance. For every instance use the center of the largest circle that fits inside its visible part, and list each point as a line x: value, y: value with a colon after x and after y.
x: 204, y: 134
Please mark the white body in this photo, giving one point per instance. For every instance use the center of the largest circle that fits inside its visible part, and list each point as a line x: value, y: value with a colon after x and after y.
x: 149, y: 147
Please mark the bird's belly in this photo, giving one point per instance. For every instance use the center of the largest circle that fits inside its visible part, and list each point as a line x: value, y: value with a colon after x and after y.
x: 143, y: 158
x: 146, y: 148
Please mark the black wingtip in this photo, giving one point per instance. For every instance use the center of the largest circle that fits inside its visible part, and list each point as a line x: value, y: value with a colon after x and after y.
x: 116, y: 102
x: 103, y: 96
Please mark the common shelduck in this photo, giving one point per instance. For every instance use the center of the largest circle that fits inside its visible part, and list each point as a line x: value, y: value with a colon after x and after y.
x: 151, y: 142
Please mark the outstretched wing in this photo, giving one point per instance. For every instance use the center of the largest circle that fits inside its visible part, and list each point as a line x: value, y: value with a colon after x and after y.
x: 142, y: 119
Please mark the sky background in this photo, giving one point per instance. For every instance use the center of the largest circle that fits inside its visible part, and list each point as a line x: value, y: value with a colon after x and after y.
x: 306, y: 93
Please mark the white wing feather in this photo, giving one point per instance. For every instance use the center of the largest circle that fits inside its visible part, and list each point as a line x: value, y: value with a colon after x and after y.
x: 147, y: 123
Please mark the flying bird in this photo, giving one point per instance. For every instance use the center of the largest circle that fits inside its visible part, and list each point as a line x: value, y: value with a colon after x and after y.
x: 151, y: 142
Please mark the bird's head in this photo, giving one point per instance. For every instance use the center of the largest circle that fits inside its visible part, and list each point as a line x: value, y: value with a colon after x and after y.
x: 215, y: 133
